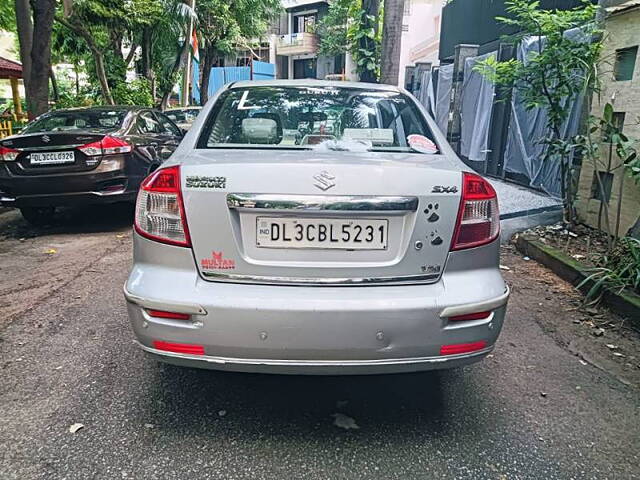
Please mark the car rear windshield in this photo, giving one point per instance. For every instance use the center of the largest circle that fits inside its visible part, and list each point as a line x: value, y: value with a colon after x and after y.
x: 182, y: 116
x: 327, y: 117
x: 100, y: 120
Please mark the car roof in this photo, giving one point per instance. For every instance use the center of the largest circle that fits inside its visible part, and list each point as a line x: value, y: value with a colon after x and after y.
x: 189, y: 107
x: 101, y: 108
x: 314, y: 83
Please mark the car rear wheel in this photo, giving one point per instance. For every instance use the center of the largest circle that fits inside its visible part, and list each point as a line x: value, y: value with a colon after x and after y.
x: 38, y: 215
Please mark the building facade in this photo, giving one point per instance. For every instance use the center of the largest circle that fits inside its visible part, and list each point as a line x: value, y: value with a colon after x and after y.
x: 620, y: 85
x: 297, y: 44
x: 420, y: 34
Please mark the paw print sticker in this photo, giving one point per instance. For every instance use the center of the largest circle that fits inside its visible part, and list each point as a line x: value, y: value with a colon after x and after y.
x: 432, y: 214
x: 434, y: 238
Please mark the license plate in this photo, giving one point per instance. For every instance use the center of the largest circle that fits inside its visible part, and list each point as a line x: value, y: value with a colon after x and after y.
x: 345, y: 234
x: 42, y: 158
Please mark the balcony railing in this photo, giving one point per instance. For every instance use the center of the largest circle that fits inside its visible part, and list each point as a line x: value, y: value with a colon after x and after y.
x: 297, y: 44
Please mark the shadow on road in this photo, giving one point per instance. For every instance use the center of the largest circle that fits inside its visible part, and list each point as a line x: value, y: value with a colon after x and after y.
x: 415, y: 403
x: 90, y: 219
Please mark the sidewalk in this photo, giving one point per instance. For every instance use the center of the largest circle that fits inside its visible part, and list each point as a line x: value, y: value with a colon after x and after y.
x: 522, y: 208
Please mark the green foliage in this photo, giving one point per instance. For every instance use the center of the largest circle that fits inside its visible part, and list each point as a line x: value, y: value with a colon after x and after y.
x: 70, y: 100
x: 604, y: 139
x: 225, y: 26
x: 137, y: 92
x: 333, y: 28
x: 362, y: 36
x: 561, y: 69
x: 7, y: 15
x: 618, y: 270
x: 9, y: 105
x: 348, y: 27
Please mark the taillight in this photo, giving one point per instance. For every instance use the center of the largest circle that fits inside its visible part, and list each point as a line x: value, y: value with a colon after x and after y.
x: 160, y: 210
x: 8, y: 154
x: 478, y: 218
x: 112, y: 145
x: 107, y: 146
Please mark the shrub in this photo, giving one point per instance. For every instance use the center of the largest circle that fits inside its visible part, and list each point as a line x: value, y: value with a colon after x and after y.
x: 618, y: 269
x: 137, y: 92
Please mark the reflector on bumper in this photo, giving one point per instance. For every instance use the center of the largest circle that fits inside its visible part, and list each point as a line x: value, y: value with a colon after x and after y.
x: 178, y: 347
x: 462, y: 348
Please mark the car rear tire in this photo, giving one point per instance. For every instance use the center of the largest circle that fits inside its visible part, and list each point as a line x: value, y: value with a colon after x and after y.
x: 38, y: 215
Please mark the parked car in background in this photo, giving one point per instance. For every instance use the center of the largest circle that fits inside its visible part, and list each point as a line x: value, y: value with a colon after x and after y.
x: 319, y: 228
x: 184, y: 116
x: 83, y: 156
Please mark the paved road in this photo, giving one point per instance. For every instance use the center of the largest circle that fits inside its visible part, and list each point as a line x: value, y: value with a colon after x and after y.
x: 67, y: 357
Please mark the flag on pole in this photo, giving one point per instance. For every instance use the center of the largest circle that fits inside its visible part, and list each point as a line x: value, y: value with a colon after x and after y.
x: 194, y: 46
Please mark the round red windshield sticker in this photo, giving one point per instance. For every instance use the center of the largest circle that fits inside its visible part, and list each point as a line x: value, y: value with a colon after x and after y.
x: 421, y: 144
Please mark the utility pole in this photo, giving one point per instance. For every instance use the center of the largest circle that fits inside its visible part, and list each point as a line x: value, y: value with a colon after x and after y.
x: 186, y: 79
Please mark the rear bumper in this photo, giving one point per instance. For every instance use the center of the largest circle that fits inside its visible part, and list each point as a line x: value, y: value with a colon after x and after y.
x: 317, y: 367
x: 67, y: 199
x: 314, y: 330
x: 74, y: 188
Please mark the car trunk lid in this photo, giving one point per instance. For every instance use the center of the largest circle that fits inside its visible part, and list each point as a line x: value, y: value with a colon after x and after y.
x: 52, y: 152
x: 403, y: 206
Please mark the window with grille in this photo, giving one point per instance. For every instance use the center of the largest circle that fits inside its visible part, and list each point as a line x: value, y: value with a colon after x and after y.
x: 607, y: 182
x: 618, y: 120
x: 625, y: 63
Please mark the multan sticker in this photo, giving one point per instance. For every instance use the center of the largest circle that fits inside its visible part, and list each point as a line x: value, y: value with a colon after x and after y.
x: 217, y: 262
x: 422, y: 144
x: 196, y: 181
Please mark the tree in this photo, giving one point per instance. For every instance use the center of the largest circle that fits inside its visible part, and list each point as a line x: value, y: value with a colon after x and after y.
x: 38, y: 84
x: 391, y: 39
x: 79, y: 16
x: 225, y: 26
x: 106, y: 27
x: 603, y: 142
x: 561, y: 68
x: 353, y: 27
x: 24, y: 28
x: 176, y: 41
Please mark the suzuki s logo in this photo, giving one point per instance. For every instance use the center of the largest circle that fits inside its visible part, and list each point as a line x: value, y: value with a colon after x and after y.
x: 324, y: 180
x: 46, y: 139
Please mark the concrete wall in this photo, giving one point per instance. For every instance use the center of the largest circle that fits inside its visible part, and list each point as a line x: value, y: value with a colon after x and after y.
x: 622, y: 31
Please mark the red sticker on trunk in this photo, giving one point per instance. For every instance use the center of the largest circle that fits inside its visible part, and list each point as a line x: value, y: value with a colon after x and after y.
x: 217, y: 262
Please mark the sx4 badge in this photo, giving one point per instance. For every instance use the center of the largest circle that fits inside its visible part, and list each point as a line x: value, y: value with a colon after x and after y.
x: 217, y: 262
x: 444, y: 189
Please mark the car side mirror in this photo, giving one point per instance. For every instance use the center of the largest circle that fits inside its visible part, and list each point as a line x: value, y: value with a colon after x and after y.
x: 183, y: 131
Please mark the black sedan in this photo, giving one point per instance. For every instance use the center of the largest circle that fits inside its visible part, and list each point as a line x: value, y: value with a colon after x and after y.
x: 83, y: 156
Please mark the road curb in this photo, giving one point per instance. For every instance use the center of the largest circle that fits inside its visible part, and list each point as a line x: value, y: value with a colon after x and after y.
x: 625, y: 303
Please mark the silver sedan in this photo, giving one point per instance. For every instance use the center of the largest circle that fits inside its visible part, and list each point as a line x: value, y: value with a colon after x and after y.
x: 316, y: 228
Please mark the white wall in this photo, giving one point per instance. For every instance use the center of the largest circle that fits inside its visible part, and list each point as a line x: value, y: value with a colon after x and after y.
x: 422, y: 42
